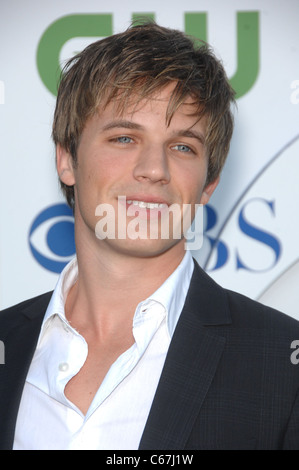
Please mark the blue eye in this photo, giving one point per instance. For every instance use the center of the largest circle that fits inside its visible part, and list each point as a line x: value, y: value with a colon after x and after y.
x: 51, y: 237
x: 183, y: 148
x: 124, y: 139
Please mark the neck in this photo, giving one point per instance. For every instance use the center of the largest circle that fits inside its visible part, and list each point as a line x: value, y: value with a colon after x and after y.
x: 110, y: 285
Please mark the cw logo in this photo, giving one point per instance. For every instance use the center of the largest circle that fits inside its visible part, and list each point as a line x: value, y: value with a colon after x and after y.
x: 100, y: 25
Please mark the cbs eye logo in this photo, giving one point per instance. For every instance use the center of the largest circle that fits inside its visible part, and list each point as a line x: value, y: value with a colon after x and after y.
x: 51, y: 237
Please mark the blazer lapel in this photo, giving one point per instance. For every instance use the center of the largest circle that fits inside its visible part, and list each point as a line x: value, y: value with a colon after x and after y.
x: 20, y: 341
x: 190, y: 365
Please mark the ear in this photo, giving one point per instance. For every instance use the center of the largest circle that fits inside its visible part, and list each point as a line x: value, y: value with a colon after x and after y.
x: 64, y: 165
x: 208, y: 191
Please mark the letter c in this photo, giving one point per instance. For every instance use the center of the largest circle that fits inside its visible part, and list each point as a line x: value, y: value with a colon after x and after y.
x: 58, y: 33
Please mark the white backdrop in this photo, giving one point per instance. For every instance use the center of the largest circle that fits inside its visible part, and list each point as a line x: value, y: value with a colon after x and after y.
x: 252, y: 226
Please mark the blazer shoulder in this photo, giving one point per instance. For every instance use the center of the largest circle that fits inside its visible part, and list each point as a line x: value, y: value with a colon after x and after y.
x: 252, y: 313
x: 31, y: 308
x: 218, y: 306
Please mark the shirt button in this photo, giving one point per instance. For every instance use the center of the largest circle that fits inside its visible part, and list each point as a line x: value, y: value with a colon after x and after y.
x: 63, y: 367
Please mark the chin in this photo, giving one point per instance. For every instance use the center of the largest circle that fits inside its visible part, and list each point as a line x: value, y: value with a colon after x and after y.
x: 145, y: 248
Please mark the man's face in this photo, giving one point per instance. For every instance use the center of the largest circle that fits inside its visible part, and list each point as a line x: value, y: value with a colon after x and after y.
x: 136, y: 155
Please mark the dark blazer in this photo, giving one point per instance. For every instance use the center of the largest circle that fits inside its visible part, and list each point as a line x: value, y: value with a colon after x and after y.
x: 228, y: 381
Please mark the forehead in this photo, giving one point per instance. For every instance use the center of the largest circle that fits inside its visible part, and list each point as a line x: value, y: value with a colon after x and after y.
x: 163, y: 102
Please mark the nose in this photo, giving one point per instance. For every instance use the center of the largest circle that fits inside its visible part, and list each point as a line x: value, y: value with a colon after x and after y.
x: 152, y: 165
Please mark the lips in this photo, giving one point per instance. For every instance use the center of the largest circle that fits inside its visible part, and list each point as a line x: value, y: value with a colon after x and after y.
x: 145, y: 201
x: 147, y: 204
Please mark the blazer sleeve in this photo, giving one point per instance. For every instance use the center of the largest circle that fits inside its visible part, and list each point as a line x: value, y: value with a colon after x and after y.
x: 291, y: 438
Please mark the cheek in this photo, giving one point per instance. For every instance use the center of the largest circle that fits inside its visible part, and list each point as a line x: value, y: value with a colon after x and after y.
x: 108, y: 162
x: 94, y: 167
x: 192, y: 184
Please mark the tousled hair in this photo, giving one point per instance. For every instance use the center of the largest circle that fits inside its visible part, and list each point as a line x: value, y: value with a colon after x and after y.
x: 139, y: 62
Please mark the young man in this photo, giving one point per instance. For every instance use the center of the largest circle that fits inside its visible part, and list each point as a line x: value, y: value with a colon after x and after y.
x: 137, y: 347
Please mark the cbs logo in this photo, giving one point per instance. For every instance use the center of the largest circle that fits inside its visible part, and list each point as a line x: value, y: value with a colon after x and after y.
x: 51, y: 237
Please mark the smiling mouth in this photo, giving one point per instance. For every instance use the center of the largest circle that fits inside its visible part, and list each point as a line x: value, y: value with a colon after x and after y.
x: 147, y: 205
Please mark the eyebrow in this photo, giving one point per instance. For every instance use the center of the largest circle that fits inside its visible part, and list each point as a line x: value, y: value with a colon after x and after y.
x: 133, y: 125
x: 122, y: 124
x: 192, y: 134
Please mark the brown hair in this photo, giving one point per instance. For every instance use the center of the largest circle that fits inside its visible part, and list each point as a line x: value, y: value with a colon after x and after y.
x: 140, y: 61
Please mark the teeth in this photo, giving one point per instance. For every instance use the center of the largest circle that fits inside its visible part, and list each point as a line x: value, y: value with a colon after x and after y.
x: 147, y: 205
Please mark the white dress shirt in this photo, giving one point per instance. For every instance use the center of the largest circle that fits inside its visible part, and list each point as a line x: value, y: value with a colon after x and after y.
x: 118, y: 413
